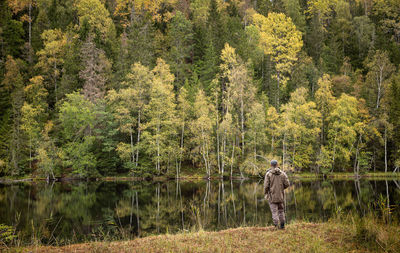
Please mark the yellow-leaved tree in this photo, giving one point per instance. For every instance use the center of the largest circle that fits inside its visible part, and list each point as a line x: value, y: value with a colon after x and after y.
x: 97, y: 16
x: 158, y: 9
x: 281, y: 41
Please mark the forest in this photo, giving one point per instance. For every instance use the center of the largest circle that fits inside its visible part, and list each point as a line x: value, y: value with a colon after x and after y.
x: 92, y: 88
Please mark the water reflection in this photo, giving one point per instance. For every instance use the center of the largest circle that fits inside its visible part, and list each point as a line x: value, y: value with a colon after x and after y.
x: 77, y: 211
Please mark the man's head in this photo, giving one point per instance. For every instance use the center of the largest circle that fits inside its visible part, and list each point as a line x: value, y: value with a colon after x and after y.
x: 274, y: 163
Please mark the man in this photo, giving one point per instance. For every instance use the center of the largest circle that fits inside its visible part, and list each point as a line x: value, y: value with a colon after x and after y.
x: 275, y: 182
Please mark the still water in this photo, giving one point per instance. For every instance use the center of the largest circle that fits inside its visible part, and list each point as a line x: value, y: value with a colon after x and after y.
x: 60, y: 213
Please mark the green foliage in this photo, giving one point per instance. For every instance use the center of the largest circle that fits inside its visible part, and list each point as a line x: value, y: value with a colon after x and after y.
x: 93, y: 72
x: 47, y: 153
x: 98, y: 18
x: 180, y: 40
x: 78, y: 116
x: 342, y: 133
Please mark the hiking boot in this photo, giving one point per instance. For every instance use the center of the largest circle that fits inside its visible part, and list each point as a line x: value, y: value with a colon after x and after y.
x: 282, y: 225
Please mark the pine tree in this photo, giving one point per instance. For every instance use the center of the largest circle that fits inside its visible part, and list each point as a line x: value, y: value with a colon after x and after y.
x: 13, y: 81
x: 21, y: 5
x: 180, y: 40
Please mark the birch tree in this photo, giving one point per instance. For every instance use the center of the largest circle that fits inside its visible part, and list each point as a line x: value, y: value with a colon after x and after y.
x: 183, y: 117
x: 33, y: 113
x: 160, y: 129
x: 202, y: 131
x: 325, y: 102
x: 380, y: 69
x: 301, y: 128
x: 127, y: 105
x: 342, y: 132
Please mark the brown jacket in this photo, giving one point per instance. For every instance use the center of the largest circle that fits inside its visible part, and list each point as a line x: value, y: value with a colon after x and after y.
x: 275, y: 182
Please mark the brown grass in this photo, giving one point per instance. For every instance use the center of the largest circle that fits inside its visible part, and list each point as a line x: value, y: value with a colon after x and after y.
x: 298, y: 237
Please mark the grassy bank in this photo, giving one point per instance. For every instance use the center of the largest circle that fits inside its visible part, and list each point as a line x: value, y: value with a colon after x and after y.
x: 366, y: 235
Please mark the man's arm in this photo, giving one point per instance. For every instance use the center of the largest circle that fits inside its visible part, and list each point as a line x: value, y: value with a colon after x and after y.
x: 285, y: 181
x: 266, y: 183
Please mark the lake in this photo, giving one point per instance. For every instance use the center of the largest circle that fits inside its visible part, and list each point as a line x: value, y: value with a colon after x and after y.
x: 68, y: 212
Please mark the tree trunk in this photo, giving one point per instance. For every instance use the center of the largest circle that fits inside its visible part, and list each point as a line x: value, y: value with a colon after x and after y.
x: 255, y: 147
x: 242, y: 121
x: 386, y: 160
x: 379, y: 82
x: 55, y: 81
x: 218, y: 154
x: 158, y: 147
x: 294, y: 154
x: 233, y: 155
x: 334, y: 153
x: 132, y: 149
x: 30, y: 151
x: 272, y: 144
x: 208, y: 159
x: 203, y: 148
x: 278, y: 91
x: 181, y: 151
x: 138, y: 139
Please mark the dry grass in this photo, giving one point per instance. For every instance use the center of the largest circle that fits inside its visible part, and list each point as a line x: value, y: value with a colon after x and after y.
x: 298, y: 237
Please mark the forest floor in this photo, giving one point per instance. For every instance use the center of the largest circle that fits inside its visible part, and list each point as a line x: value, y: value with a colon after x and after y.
x: 297, y: 237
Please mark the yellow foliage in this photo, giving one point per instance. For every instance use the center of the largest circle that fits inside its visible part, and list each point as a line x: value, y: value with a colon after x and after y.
x: 280, y: 39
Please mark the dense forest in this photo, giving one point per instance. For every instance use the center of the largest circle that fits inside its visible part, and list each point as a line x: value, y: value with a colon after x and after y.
x: 137, y: 87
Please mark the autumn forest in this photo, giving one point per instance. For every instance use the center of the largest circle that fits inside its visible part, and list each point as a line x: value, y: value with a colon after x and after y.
x: 92, y: 88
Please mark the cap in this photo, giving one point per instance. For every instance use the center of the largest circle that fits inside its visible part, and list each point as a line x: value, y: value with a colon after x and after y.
x: 274, y: 162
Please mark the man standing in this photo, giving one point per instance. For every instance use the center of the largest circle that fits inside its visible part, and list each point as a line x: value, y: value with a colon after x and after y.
x: 275, y: 182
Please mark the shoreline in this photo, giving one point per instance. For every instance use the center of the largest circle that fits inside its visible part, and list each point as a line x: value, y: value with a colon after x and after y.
x: 295, y: 176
